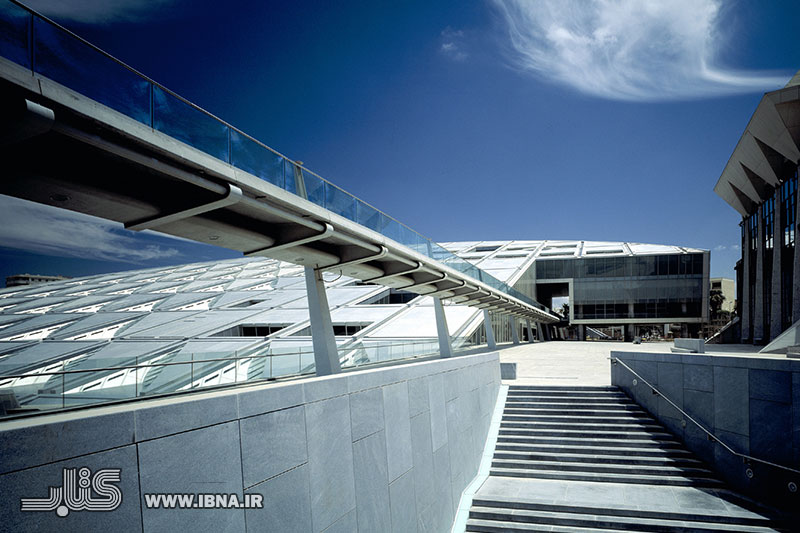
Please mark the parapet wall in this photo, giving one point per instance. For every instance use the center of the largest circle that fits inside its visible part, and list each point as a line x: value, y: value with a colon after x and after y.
x: 387, y: 449
x: 752, y: 404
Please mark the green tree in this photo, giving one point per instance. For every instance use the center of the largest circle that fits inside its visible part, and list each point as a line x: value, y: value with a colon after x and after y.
x: 715, y: 301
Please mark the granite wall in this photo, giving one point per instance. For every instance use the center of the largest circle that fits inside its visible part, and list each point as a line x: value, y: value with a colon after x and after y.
x: 388, y: 449
x: 752, y: 404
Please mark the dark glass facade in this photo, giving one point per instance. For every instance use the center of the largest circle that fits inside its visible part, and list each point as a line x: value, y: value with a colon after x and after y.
x: 632, y: 288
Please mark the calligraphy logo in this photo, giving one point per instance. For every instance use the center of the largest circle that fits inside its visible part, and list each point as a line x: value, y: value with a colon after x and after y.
x: 86, y: 493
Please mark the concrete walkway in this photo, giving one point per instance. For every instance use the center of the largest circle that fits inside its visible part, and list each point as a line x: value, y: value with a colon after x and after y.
x: 569, y: 362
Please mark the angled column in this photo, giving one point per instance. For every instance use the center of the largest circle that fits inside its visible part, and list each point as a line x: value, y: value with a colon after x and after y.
x: 758, y: 304
x: 539, y: 331
x: 776, y: 312
x: 512, y: 322
x: 326, y: 355
x: 744, y: 298
x: 445, y: 349
x: 530, y: 329
x: 487, y: 324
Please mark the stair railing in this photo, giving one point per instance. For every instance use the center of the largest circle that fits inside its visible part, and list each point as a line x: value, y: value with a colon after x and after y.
x: 746, y: 459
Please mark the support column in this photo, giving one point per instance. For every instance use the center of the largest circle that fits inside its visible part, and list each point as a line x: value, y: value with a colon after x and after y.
x: 512, y: 321
x: 581, y: 332
x: 539, y: 332
x: 530, y: 329
x: 326, y: 354
x: 776, y: 311
x: 744, y: 298
x: 445, y: 349
x: 796, y: 266
x: 487, y: 324
x: 758, y: 304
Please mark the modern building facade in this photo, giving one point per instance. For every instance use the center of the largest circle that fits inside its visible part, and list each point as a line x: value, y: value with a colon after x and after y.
x: 726, y: 287
x: 632, y: 285
x: 760, y: 182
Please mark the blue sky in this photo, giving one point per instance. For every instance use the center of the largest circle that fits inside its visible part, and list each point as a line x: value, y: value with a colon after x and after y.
x: 496, y: 119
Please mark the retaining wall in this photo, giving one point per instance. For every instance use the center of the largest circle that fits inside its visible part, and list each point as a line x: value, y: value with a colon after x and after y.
x: 750, y: 403
x: 388, y: 449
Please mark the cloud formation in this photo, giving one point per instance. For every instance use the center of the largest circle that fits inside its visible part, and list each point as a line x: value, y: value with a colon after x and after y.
x: 52, y: 231
x: 453, y: 44
x: 98, y: 11
x: 628, y: 49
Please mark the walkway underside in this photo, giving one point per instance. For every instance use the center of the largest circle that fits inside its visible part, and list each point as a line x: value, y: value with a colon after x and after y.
x: 589, y: 459
x: 63, y: 149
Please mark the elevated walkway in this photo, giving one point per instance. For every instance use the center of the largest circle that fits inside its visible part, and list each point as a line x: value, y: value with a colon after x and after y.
x: 585, y: 458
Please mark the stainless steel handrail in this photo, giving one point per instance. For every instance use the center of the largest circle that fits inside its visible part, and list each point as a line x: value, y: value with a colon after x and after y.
x: 711, y: 436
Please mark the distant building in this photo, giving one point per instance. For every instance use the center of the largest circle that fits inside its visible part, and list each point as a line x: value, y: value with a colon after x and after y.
x: 30, y: 279
x: 760, y: 182
x: 728, y: 288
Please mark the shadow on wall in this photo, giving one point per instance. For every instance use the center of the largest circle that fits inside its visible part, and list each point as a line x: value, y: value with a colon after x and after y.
x: 751, y: 404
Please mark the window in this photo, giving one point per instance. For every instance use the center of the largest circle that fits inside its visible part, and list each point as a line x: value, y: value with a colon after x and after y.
x: 788, y: 210
x: 485, y: 248
x: 250, y: 330
x: 768, y: 214
x: 752, y: 225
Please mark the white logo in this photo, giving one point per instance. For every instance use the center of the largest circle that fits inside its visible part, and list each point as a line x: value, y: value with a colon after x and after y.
x: 86, y: 493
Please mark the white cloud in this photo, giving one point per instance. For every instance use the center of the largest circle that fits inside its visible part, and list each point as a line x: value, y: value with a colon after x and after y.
x: 720, y: 248
x: 98, y: 11
x: 453, y: 44
x: 628, y: 49
x: 52, y: 231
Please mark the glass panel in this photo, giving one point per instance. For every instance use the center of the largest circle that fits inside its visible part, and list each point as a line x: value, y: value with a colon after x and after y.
x: 190, y: 125
x: 70, y: 62
x: 290, y: 180
x: 315, y: 188
x: 251, y: 157
x: 369, y: 216
x: 285, y: 365
x: 339, y: 202
x: 14, y: 25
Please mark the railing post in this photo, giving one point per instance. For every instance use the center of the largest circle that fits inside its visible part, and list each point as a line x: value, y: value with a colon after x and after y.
x: 487, y: 324
x: 445, y: 349
x: 326, y: 354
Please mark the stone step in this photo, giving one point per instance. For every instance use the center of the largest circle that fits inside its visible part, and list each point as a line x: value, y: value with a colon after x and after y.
x: 575, y: 407
x: 623, y: 523
x: 526, y: 429
x: 522, y: 423
x: 611, y: 443
x: 615, y: 451
x: 720, y: 516
x: 675, y: 481
x: 616, y: 395
x: 588, y: 400
x: 566, y: 388
x: 578, y: 411
x: 695, y: 471
x: 496, y: 526
x: 597, y: 458
x: 580, y: 419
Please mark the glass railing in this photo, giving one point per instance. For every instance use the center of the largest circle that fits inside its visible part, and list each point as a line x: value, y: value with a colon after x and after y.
x: 84, y: 380
x: 44, y: 47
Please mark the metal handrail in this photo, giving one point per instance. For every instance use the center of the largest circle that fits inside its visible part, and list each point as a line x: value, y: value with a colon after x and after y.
x: 710, y: 435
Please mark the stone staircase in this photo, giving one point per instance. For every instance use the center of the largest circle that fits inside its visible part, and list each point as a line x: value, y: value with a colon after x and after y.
x: 589, y: 459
